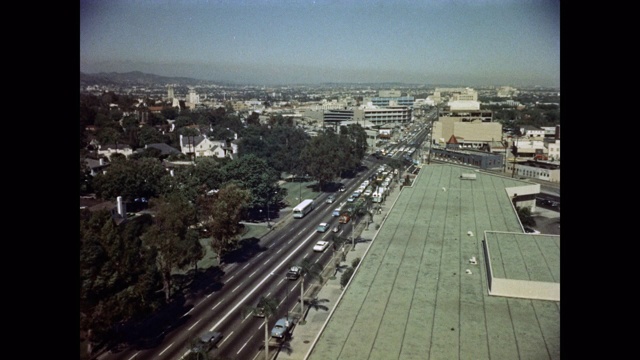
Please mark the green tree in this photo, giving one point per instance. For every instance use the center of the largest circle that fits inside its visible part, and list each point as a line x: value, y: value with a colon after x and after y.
x: 311, y: 270
x: 321, y: 157
x: 149, y: 135
x: 110, y: 135
x: 221, y: 216
x: 170, y: 113
x: 118, y: 279
x: 346, y: 276
x: 169, y: 236
x: 357, y: 144
x: 526, y: 218
x: 268, y: 306
x: 253, y: 119
x: 256, y: 176
x: 210, y: 172
x: 131, y: 178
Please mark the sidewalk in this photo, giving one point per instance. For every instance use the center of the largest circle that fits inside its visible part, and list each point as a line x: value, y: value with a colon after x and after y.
x: 307, y: 330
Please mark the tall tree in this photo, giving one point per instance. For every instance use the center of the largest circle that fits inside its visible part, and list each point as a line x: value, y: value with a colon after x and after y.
x: 132, y: 178
x: 267, y: 306
x: 312, y: 270
x: 222, y: 214
x: 321, y: 157
x: 255, y: 175
x: 169, y: 236
x: 118, y: 279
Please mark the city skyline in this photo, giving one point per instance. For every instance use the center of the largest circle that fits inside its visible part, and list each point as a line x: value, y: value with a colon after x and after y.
x: 488, y: 42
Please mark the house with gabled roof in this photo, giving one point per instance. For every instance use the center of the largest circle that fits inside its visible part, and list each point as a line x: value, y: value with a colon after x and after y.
x: 110, y: 149
x: 200, y: 145
x: 165, y: 149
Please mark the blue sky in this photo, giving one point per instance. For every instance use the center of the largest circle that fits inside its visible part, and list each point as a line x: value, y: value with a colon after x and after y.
x: 457, y: 42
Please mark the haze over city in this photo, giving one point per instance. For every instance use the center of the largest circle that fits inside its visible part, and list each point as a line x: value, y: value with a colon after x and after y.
x: 468, y: 42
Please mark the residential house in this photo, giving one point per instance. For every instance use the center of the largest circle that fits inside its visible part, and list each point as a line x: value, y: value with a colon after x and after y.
x: 200, y: 145
x: 110, y: 149
x: 165, y: 150
x: 96, y: 166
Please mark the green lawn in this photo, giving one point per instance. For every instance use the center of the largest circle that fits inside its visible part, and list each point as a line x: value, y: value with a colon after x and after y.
x: 298, y: 191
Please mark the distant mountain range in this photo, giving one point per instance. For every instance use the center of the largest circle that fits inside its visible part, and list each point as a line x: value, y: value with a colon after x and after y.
x: 136, y: 78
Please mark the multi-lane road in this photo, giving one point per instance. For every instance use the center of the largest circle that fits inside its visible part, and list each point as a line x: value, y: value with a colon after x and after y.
x: 242, y: 283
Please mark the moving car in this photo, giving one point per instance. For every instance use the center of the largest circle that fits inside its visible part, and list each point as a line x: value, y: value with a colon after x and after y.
x: 281, y: 328
x: 331, y: 199
x: 293, y: 273
x: 259, y: 312
x: 322, y: 227
x: 336, y: 228
x: 321, y: 245
x: 206, y: 342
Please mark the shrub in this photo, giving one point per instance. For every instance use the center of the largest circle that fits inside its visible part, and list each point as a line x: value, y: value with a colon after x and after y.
x: 355, y: 262
x: 346, y: 276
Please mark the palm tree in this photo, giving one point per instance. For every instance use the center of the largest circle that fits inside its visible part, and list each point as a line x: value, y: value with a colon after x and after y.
x: 313, y: 270
x: 361, y: 209
x: 267, y: 306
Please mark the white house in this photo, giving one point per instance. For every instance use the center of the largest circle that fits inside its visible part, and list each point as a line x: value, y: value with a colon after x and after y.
x: 110, y: 149
x: 201, y: 146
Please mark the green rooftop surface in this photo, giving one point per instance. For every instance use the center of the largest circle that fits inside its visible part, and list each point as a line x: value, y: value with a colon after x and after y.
x: 415, y: 295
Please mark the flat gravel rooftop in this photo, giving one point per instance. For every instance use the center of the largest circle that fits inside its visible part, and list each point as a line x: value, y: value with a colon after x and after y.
x: 416, y: 294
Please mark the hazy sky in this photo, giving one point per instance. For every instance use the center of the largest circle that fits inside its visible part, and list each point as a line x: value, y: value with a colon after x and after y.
x: 461, y: 42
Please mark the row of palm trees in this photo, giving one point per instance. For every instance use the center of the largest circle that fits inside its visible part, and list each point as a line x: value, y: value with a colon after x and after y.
x: 269, y: 305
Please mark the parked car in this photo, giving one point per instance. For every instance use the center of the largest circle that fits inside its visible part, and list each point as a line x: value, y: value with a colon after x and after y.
x: 322, y: 227
x: 342, y: 188
x: 529, y: 230
x: 294, y: 273
x: 281, y: 328
x: 321, y: 246
x: 206, y: 342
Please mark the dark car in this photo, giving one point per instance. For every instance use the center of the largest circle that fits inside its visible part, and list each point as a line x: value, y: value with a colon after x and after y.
x: 293, y: 273
x: 206, y: 342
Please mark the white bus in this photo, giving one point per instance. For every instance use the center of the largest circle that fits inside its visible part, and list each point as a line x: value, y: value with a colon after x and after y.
x: 303, y: 208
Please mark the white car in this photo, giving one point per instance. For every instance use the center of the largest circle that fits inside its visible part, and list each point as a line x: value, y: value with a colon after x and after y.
x: 321, y: 245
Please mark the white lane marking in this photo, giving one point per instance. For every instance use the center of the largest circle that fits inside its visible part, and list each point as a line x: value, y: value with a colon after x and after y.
x: 194, y: 324
x: 265, y: 263
x: 241, y: 302
x: 245, y: 344
x: 217, y: 304
x: 190, y: 310
x: 231, y: 277
x: 236, y: 288
x: 225, y: 339
x: 165, y: 349
x: 253, y: 273
x: 134, y: 355
x: 244, y: 267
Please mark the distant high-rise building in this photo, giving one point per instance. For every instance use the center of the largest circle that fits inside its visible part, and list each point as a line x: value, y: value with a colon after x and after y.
x: 170, y: 95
